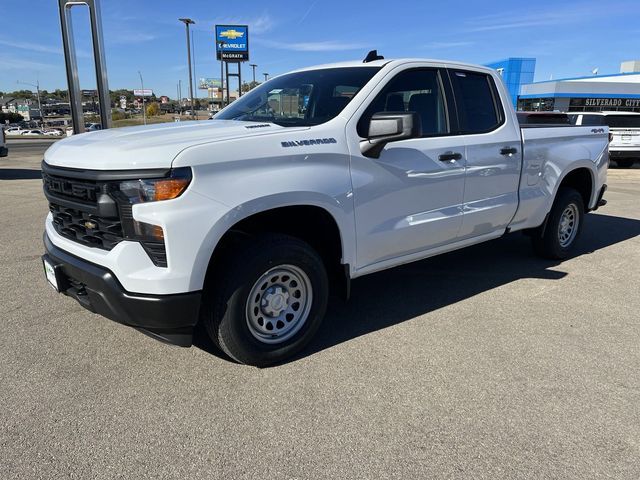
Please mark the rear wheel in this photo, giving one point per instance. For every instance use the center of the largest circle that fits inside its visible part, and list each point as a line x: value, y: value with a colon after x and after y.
x: 625, y: 162
x: 269, y: 301
x: 563, y: 226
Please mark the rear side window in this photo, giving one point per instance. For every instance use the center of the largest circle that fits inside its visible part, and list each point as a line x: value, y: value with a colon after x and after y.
x: 592, y: 120
x: 479, y: 108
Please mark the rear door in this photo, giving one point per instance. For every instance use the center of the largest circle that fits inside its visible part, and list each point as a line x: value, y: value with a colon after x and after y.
x: 493, y: 156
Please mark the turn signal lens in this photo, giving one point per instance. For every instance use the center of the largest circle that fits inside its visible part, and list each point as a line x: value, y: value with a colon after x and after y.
x: 156, y: 189
x: 172, y: 188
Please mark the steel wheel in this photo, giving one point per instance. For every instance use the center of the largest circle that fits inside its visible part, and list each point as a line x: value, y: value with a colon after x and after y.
x: 278, y: 304
x: 568, y: 226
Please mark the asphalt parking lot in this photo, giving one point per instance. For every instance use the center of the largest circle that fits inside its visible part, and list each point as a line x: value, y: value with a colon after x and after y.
x: 484, y: 363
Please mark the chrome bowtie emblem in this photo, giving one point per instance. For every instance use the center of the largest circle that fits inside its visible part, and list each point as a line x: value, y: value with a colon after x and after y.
x: 90, y: 225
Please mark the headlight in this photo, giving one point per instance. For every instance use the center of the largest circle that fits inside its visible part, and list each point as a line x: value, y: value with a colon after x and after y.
x: 156, y: 189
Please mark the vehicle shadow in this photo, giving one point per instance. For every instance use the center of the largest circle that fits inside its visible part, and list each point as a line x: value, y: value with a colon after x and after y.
x: 19, y: 174
x: 390, y: 297
x: 393, y: 296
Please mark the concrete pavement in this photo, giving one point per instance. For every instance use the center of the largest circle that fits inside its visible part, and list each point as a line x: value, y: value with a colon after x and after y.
x: 486, y: 363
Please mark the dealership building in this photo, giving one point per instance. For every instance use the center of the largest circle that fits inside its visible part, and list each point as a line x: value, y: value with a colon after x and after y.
x: 616, y: 92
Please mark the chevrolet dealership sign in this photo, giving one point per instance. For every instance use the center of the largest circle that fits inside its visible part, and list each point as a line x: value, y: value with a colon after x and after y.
x: 232, y: 43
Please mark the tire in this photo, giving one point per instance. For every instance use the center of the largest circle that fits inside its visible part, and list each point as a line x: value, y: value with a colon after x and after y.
x: 625, y: 162
x: 249, y: 311
x: 560, y: 232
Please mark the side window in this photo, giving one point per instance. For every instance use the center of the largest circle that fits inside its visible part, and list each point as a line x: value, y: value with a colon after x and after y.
x: 592, y: 120
x: 417, y: 91
x: 477, y: 100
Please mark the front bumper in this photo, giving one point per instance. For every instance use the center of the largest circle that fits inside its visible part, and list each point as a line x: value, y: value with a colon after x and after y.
x: 169, y: 318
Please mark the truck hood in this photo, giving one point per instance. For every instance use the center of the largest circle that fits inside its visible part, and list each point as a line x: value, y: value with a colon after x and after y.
x: 151, y: 146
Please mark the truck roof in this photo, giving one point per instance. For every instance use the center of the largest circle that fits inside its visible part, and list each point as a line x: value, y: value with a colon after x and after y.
x: 393, y: 61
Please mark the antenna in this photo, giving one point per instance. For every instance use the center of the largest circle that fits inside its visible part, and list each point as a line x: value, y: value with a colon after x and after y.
x: 371, y: 56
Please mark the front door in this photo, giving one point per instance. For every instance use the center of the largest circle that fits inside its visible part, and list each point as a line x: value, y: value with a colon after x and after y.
x: 410, y: 198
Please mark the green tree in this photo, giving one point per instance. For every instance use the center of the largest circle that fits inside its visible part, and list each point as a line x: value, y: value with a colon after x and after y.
x: 247, y: 86
x: 153, y: 109
x: 12, y: 117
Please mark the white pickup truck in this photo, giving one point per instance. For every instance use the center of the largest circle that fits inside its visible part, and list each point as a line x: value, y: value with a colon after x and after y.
x: 244, y: 223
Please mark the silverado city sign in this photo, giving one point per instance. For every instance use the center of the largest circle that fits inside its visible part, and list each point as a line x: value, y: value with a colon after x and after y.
x: 606, y: 102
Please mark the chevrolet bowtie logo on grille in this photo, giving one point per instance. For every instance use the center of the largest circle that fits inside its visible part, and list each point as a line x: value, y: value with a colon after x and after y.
x: 90, y: 225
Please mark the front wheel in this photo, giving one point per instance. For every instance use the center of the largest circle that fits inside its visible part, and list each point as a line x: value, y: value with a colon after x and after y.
x: 268, y: 301
x: 563, y: 226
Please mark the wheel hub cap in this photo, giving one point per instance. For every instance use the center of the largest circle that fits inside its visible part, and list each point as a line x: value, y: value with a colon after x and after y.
x: 278, y: 304
x: 568, y: 227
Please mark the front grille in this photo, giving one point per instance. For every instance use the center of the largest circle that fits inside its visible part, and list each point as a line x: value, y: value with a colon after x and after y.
x: 85, y: 228
x: 72, y: 189
x: 95, y: 213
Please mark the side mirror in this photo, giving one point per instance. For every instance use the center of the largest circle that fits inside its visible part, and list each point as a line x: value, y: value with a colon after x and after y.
x: 385, y: 127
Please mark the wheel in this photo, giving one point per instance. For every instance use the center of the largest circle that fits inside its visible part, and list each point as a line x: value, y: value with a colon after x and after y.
x: 563, y: 226
x: 625, y: 162
x: 268, y: 301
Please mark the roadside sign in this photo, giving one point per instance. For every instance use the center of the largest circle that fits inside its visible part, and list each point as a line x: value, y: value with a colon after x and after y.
x: 207, y: 83
x: 232, y: 43
x: 143, y: 93
x: 89, y: 93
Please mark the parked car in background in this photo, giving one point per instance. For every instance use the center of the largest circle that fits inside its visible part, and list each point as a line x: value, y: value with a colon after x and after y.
x: 53, y: 133
x: 14, y: 131
x: 32, y: 133
x: 625, y: 131
x: 92, y: 127
x: 4, y: 151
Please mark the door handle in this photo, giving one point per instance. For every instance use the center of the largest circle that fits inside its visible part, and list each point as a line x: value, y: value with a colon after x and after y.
x: 448, y: 156
x: 508, y: 151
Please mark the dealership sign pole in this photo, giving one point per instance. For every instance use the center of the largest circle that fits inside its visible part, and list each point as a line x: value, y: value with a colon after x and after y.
x: 232, y: 46
x: 75, y: 98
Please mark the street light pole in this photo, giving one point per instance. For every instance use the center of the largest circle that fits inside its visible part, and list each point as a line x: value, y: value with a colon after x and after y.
x: 187, y: 22
x: 37, y: 85
x: 266, y: 76
x: 144, y: 110
x: 253, y: 67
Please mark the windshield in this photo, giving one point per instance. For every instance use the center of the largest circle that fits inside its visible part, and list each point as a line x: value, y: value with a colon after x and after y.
x: 300, y: 99
x: 623, y: 121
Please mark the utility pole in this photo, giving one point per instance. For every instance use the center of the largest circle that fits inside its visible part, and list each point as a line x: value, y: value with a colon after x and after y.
x: 253, y: 67
x: 266, y: 76
x: 144, y: 110
x: 187, y: 22
x: 180, y: 96
x: 37, y: 85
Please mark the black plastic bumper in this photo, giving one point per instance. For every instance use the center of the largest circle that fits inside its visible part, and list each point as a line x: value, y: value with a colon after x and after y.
x: 170, y: 318
x: 4, y: 151
x: 624, y: 154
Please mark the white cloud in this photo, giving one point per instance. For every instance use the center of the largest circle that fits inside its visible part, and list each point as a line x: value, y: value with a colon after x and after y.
x: 127, y: 37
x: 10, y: 62
x: 33, y: 47
x: 257, y: 25
x: 322, y: 46
x: 306, y: 14
x: 447, y: 44
x: 559, y: 15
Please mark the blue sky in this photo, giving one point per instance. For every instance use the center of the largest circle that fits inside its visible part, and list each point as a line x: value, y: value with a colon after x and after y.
x: 568, y: 38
